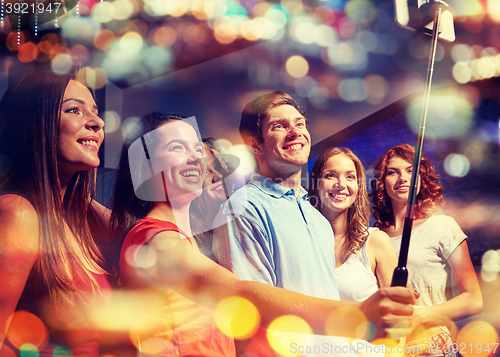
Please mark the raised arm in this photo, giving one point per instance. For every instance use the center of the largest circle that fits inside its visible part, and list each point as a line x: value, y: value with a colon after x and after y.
x: 18, y: 252
x: 183, y: 268
x: 382, y: 257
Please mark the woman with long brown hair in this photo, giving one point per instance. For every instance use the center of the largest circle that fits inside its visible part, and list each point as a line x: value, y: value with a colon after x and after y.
x: 364, y: 257
x: 437, y: 246
x: 50, y: 265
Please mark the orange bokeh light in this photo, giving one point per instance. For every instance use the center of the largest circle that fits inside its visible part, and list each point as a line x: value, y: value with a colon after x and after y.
x: 104, y: 39
x: 478, y: 339
x: 27, y: 52
x: 12, y: 40
x: 27, y: 328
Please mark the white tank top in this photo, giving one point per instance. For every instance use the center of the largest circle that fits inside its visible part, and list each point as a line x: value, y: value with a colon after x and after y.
x: 355, y: 279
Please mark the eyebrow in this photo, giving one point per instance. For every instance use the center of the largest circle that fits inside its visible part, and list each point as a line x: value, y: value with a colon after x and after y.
x: 273, y: 121
x: 184, y: 142
x: 395, y: 169
x: 79, y: 101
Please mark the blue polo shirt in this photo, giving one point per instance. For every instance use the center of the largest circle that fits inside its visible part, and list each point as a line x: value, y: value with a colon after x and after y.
x: 265, y: 234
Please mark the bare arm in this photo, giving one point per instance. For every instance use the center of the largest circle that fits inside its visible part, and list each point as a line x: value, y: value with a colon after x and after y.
x: 18, y: 252
x: 183, y: 268
x: 382, y: 257
x: 470, y: 300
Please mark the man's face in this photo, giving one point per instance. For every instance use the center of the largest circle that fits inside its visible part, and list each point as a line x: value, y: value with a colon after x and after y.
x: 286, y: 145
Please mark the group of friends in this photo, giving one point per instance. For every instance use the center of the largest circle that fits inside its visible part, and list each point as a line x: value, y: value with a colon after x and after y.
x: 288, y: 251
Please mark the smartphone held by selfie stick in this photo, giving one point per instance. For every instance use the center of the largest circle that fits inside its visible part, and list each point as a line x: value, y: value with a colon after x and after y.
x: 422, y: 16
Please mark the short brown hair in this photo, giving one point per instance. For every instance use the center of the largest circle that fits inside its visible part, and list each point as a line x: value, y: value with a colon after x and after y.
x: 256, y: 110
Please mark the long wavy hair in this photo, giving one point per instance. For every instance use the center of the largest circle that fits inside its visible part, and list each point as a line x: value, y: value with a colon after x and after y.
x: 428, y: 199
x: 29, y: 130
x: 358, y: 214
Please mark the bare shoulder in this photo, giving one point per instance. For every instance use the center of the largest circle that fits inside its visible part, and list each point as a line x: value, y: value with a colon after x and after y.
x: 166, y: 240
x: 18, y: 218
x: 379, y: 240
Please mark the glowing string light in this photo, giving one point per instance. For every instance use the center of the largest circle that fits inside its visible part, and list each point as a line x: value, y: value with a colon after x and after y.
x: 2, y: 13
x: 19, y: 25
x: 56, y: 24
x: 78, y: 8
x: 36, y: 20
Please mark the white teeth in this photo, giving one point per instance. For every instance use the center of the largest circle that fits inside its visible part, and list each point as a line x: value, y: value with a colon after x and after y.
x: 295, y: 146
x: 191, y: 173
x: 89, y: 143
x: 339, y: 195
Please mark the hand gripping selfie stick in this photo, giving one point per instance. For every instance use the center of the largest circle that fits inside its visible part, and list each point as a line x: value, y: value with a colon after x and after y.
x: 435, y: 10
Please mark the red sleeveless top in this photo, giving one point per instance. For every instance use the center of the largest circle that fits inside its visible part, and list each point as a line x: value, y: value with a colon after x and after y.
x: 187, y: 329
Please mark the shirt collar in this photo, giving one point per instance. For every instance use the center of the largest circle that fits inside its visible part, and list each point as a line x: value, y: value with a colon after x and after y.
x: 272, y: 188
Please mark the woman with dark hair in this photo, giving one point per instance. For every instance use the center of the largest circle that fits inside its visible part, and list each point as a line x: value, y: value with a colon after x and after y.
x: 437, y: 245
x: 362, y: 255
x: 161, y: 172
x: 50, y: 265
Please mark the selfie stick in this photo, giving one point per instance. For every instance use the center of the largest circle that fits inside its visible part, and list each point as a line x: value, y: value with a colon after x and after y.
x: 400, y: 276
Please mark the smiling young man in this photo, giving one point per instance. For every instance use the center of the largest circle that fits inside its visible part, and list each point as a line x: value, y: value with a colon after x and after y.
x: 277, y: 237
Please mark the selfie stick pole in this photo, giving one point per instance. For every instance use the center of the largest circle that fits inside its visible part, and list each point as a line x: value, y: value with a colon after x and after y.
x: 400, y: 276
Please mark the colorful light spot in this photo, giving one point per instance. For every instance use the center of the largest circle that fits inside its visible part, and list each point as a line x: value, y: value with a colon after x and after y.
x: 480, y: 339
x: 237, y: 317
x: 27, y: 328
x: 287, y: 330
x: 354, y: 323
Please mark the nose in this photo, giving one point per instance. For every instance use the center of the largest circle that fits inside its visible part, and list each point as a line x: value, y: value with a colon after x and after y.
x: 195, y: 156
x: 95, y: 122
x: 294, y: 131
x: 340, y: 182
x: 405, y: 176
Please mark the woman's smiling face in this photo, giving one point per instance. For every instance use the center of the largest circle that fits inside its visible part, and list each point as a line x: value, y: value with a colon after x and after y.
x: 338, y: 186
x: 397, y: 179
x: 80, y: 130
x: 178, y: 154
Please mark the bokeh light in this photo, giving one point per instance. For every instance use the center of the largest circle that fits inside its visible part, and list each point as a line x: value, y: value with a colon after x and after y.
x: 237, y: 317
x: 61, y: 63
x: 285, y: 331
x: 462, y: 72
x: 131, y: 43
x: 27, y: 52
x: 354, y: 323
x: 462, y: 53
x: 480, y: 339
x: 448, y: 116
x: 104, y: 11
x: 475, y: 154
x: 26, y: 328
x: 490, y: 265
x: 352, y: 90
x: 493, y: 8
x: 62, y: 351
x: 456, y: 165
x: 376, y: 88
x: 297, y: 66
x: 112, y: 120
x: 104, y: 39
x: 29, y: 350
